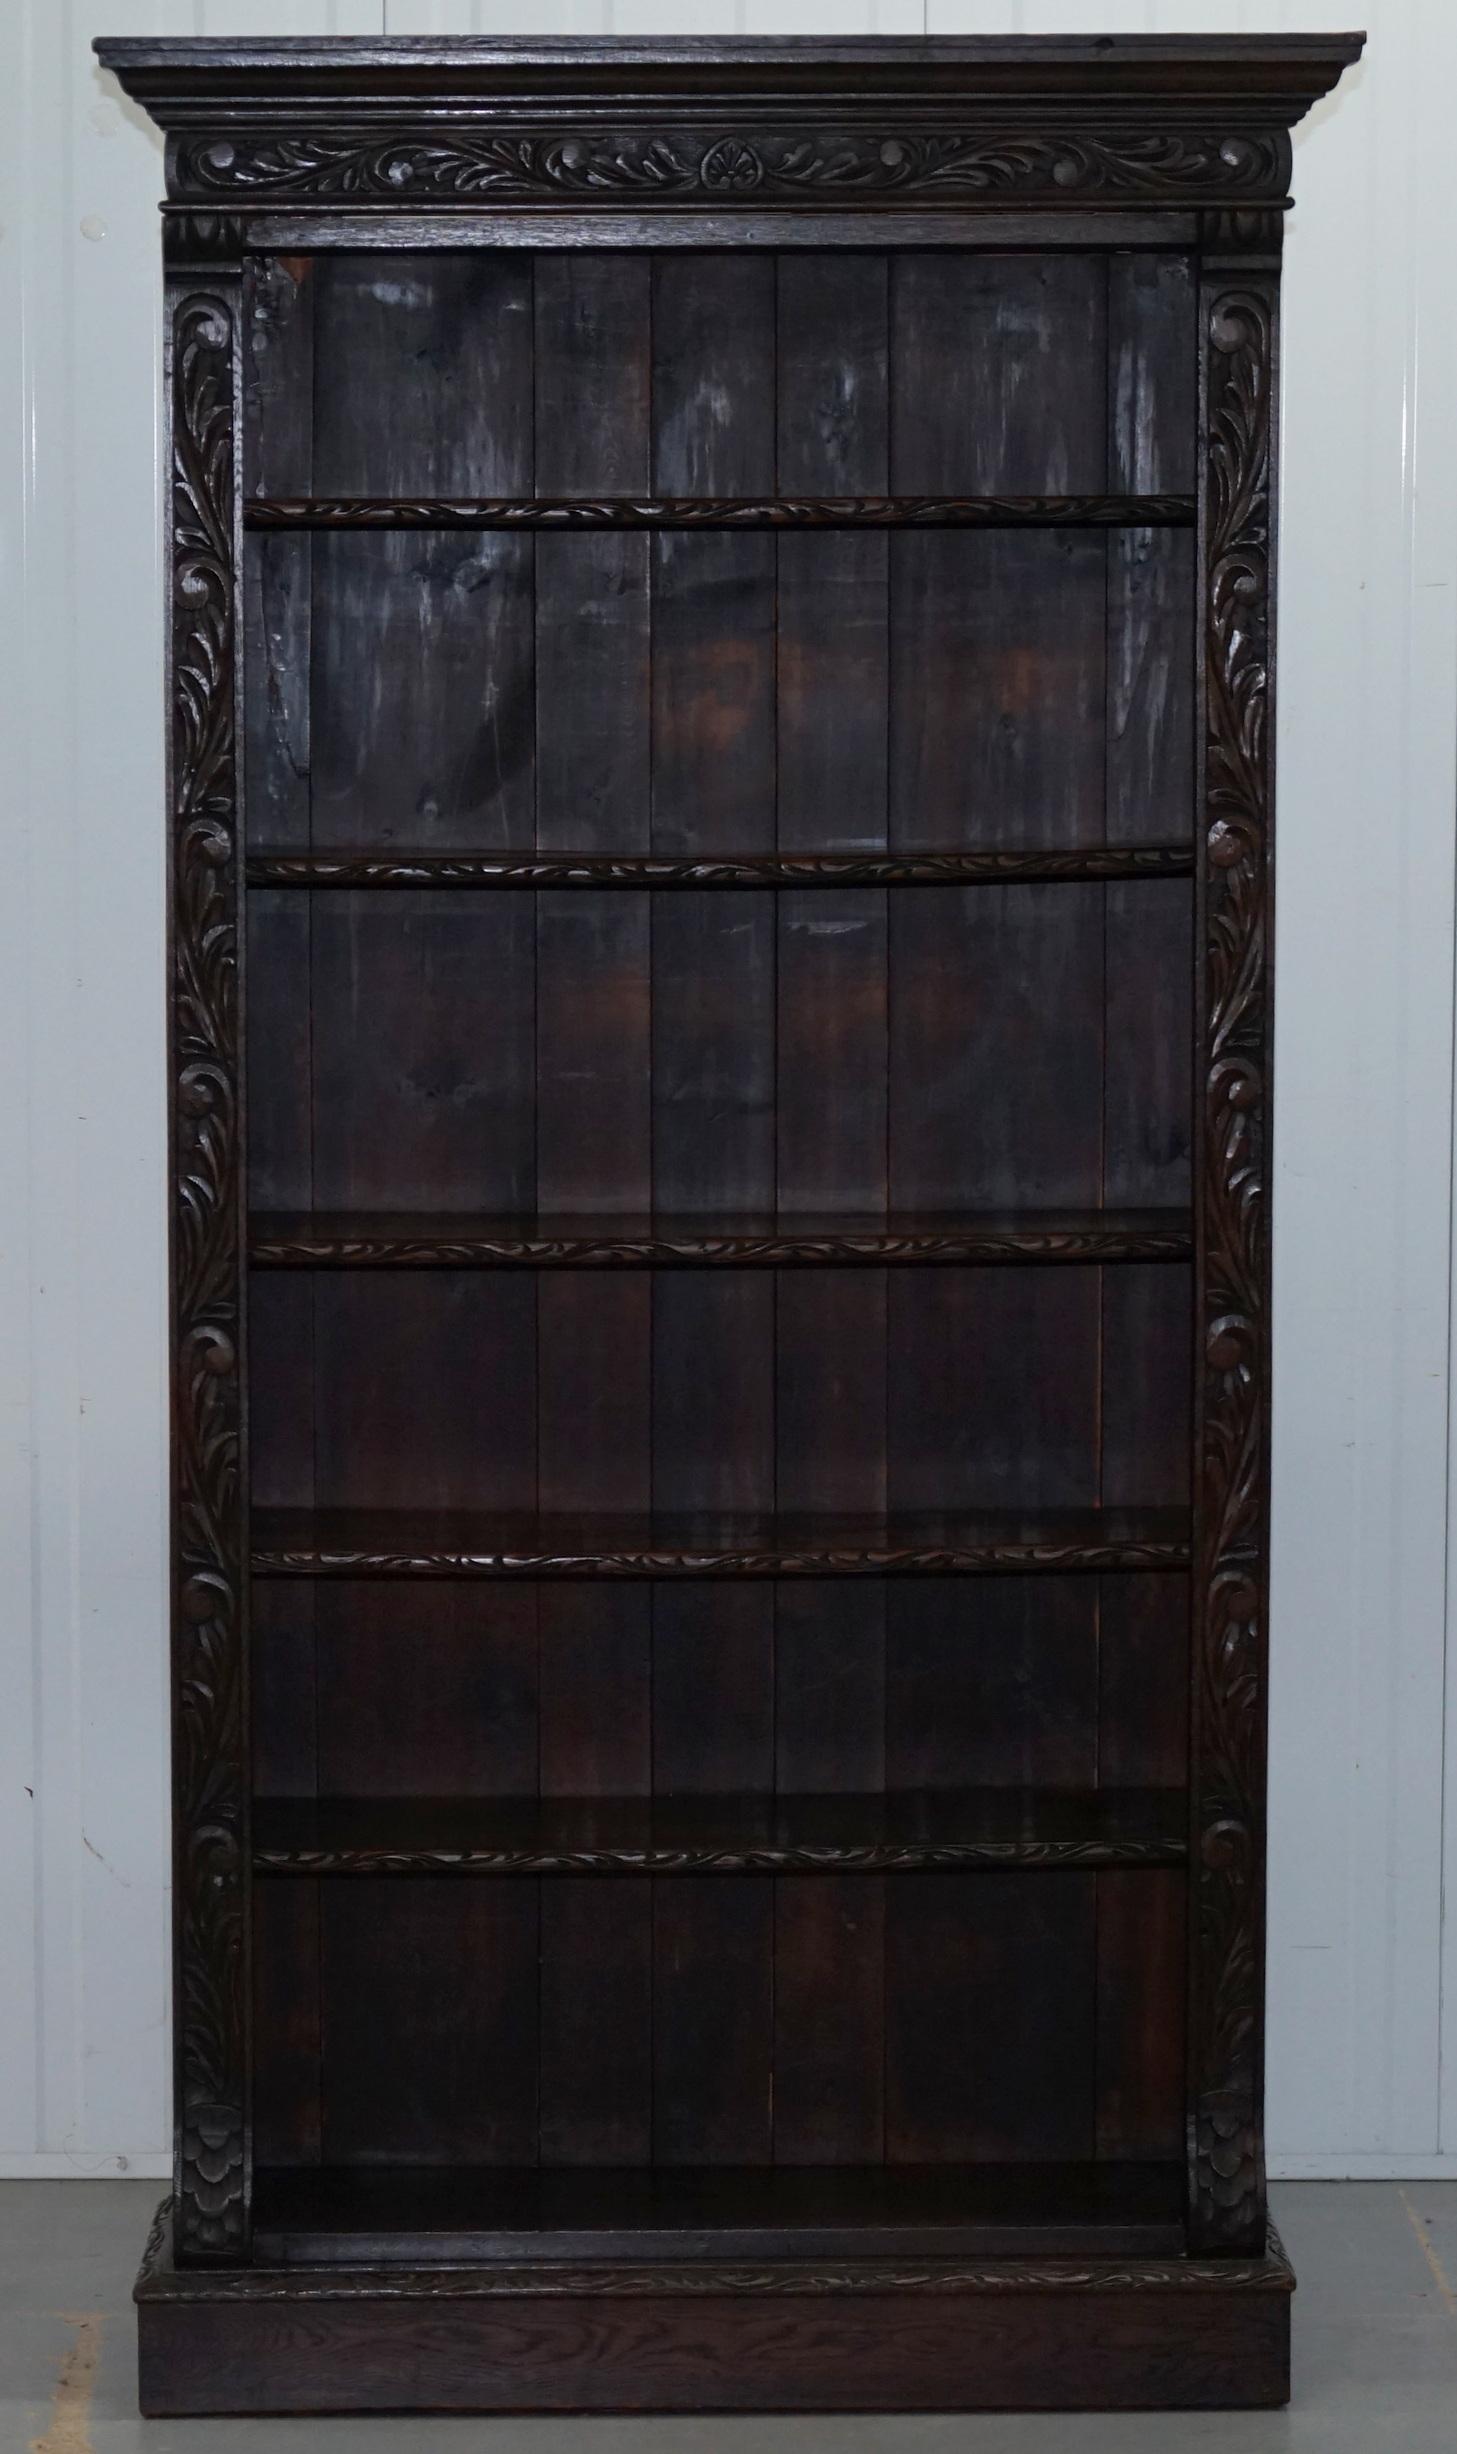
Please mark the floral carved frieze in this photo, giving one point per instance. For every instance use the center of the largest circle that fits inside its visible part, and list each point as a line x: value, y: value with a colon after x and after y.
x: 707, y: 165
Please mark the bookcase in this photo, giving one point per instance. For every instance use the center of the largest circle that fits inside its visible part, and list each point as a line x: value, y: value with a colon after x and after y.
x: 720, y: 811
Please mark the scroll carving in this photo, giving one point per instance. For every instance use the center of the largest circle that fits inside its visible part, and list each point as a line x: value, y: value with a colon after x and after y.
x: 979, y: 1554
x: 1230, y: 1538
x: 726, y: 511
x: 886, y: 1858
x: 209, y: 1796
x: 767, y: 869
x: 301, y: 1245
x: 715, y: 165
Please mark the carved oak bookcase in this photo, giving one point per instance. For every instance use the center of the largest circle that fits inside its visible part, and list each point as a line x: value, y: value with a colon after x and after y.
x: 721, y: 633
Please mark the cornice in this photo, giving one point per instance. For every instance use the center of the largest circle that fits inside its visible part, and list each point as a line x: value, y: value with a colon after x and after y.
x: 1285, y: 71
x: 1177, y: 121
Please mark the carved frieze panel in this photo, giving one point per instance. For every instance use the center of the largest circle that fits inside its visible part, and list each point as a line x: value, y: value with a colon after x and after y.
x: 812, y: 164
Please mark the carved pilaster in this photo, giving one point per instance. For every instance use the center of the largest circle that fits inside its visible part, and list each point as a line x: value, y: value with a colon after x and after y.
x: 208, y: 1470
x: 1237, y: 324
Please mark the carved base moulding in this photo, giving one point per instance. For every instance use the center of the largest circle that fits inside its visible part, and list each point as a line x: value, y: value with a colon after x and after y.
x: 869, y: 2335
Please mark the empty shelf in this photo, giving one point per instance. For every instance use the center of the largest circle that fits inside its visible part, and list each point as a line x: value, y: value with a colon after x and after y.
x: 449, y: 2215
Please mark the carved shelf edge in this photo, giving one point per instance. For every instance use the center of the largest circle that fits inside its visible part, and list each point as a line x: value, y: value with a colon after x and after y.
x: 611, y: 1837
x: 886, y: 1859
x: 1070, y: 1559
x: 159, y: 2280
x: 536, y: 870
x: 722, y: 511
x: 280, y: 1242
x: 986, y: 1560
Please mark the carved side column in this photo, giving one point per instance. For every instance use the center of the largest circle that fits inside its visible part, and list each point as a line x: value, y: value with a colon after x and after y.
x: 1238, y: 307
x: 209, y: 1555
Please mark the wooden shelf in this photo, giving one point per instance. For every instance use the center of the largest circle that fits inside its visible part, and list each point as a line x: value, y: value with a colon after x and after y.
x: 399, y: 867
x: 903, y: 1833
x: 408, y: 1543
x: 397, y: 1240
x: 329, y: 2215
x: 723, y: 511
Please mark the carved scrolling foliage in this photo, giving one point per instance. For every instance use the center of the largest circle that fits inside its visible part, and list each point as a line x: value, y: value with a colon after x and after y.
x: 988, y: 1557
x: 208, y: 1639
x: 592, y: 165
x: 1230, y: 1645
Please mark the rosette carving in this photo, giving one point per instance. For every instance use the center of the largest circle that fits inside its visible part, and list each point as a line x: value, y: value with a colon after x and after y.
x: 1230, y: 1529
x: 209, y: 1800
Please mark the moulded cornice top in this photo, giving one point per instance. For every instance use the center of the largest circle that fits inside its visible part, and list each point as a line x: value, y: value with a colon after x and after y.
x: 1100, y: 121
x: 1285, y: 72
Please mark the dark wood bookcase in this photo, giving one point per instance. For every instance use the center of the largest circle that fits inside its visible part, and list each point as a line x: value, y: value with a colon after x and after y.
x: 720, y: 799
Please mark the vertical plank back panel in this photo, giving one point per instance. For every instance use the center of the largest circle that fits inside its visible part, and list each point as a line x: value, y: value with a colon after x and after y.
x: 277, y: 582
x: 713, y: 1148
x: 1149, y: 1071
x: 997, y: 684
x: 834, y: 1051
x: 422, y: 731
x: 594, y: 1152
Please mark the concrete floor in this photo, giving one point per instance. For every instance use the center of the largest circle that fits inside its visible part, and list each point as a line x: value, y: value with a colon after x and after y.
x: 1375, y: 2355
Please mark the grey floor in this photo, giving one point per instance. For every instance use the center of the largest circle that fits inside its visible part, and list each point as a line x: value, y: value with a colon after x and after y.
x: 1375, y: 2355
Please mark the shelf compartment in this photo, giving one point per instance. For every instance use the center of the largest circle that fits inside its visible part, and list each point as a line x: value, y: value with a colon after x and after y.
x: 362, y: 867
x: 904, y: 1832
x: 398, y: 1240
x: 425, y: 2215
x: 371, y: 1542
x: 846, y: 511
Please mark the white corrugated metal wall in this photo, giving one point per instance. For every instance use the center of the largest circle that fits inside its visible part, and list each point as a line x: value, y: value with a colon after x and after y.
x: 1368, y: 739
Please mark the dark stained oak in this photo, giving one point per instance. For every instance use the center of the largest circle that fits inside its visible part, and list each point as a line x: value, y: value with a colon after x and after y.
x: 730, y: 511
x: 329, y: 2216
x: 1130, y: 2331
x: 876, y: 1834
x: 991, y: 866
x: 671, y: 1545
x: 720, y: 1414
x: 303, y: 1240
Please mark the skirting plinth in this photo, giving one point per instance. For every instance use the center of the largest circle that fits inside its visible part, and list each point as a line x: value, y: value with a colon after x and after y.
x: 1070, y: 2334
